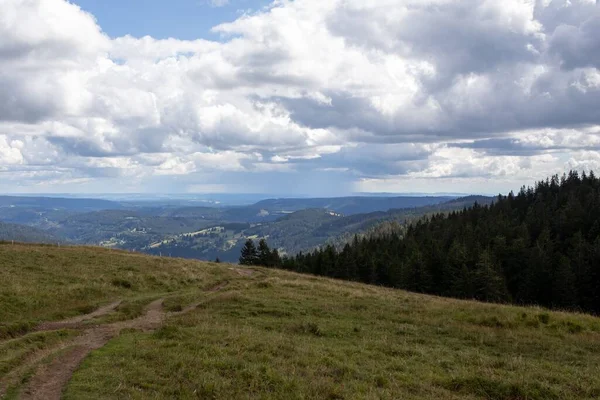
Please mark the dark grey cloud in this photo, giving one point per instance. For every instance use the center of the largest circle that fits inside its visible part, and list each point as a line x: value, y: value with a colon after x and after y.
x: 555, y: 13
x: 540, y: 143
x: 554, y: 101
x: 577, y: 46
x: 81, y: 146
x: 502, y: 146
x: 460, y: 37
x: 21, y: 101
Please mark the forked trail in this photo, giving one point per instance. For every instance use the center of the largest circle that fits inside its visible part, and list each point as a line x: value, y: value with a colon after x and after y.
x: 76, y: 322
x: 49, y: 380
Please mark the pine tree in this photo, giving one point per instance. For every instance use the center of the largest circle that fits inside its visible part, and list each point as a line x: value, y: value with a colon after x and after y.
x: 275, y: 259
x: 488, y: 282
x: 457, y: 272
x: 249, y: 254
x: 264, y: 253
x: 564, y: 291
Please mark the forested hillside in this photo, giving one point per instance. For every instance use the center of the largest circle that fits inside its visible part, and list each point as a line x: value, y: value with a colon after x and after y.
x: 26, y: 234
x: 352, y: 205
x: 302, y: 230
x: 192, y: 229
x: 541, y: 246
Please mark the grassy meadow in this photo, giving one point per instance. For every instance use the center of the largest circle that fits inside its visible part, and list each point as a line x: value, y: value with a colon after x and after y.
x: 280, y: 335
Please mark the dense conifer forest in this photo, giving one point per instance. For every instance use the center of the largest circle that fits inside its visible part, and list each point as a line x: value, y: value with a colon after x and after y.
x: 540, y: 246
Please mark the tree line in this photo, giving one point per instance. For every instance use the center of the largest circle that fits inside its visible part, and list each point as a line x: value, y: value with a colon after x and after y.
x: 263, y: 255
x: 540, y: 246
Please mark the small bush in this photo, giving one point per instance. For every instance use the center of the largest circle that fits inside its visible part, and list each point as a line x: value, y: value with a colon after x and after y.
x: 544, y: 318
x: 382, y: 381
x: 122, y: 283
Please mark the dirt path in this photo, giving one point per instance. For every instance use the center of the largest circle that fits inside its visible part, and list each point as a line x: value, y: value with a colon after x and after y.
x: 37, y: 357
x: 49, y: 380
x: 243, y: 271
x: 218, y: 287
x: 76, y: 322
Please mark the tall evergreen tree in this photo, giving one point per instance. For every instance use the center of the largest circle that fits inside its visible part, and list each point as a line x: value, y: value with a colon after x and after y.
x: 249, y: 254
x: 488, y: 282
x: 264, y: 253
x: 275, y: 259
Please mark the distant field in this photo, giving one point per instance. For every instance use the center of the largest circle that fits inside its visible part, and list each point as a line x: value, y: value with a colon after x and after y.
x: 175, y: 328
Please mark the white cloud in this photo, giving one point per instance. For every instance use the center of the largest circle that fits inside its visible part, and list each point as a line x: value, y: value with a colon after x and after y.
x: 375, y: 91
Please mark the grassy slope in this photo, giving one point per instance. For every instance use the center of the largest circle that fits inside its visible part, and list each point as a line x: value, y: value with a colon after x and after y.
x: 49, y: 283
x: 281, y: 335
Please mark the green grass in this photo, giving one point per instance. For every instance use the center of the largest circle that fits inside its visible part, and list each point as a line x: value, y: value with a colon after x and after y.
x: 279, y: 335
x: 14, y: 352
x: 42, y: 283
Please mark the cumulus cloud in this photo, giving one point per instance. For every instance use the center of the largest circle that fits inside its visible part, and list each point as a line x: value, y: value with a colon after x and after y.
x: 373, y: 94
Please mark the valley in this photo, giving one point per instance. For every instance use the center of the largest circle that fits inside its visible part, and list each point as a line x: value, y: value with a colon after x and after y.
x: 204, y: 232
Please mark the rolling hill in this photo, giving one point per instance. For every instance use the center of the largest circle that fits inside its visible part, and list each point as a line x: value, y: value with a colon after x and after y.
x: 294, y: 232
x: 351, y: 205
x: 207, y: 232
x: 27, y: 234
x: 61, y: 203
x: 83, y: 322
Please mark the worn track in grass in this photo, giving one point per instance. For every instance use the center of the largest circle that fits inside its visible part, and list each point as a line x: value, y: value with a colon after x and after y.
x: 50, y: 379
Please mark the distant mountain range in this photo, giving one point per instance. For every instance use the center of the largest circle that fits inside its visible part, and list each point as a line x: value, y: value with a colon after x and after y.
x: 297, y: 231
x: 57, y: 203
x: 352, y: 205
x: 208, y: 231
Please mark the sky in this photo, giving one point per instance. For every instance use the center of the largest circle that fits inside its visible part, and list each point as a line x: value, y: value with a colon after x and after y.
x: 303, y: 97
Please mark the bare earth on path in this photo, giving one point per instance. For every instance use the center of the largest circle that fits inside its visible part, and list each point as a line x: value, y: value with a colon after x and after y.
x: 50, y: 379
x: 243, y: 271
x: 75, y: 322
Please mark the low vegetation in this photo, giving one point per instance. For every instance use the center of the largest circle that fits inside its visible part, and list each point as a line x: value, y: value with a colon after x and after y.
x: 265, y: 333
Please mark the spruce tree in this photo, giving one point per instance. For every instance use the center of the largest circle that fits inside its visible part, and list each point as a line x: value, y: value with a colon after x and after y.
x: 264, y: 253
x: 488, y: 282
x: 275, y: 259
x: 249, y: 254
